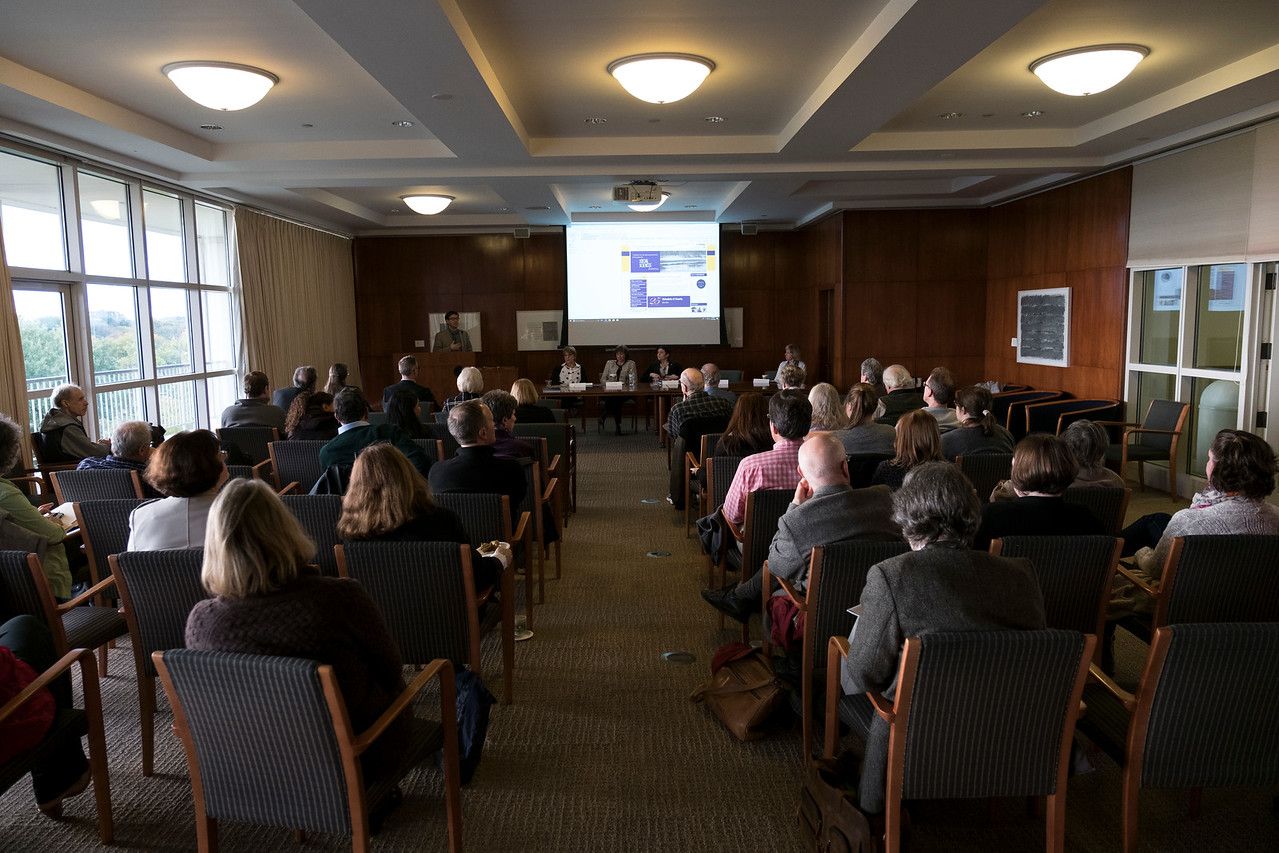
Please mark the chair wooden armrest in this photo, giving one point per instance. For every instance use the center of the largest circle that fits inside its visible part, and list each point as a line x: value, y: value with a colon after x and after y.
x: 837, y: 651
x: 799, y: 599
x: 294, y: 488
x: 41, y: 484
x: 735, y: 530
x: 1136, y: 430
x: 1146, y: 586
x: 882, y: 706
x: 45, y: 678
x: 554, y: 465
x: 691, y: 460
x: 262, y: 470
x: 87, y: 594
x: 1129, y: 700
x: 522, y: 530
x: 1117, y: 423
x: 448, y: 706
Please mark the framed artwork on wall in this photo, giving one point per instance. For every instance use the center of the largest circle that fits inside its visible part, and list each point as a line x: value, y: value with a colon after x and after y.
x: 1043, y: 326
x: 538, y: 330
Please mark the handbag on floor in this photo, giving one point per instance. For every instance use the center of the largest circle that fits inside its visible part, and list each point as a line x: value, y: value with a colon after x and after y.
x: 828, y: 816
x: 743, y: 690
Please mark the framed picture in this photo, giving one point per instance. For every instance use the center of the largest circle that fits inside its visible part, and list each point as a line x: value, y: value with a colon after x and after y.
x: 538, y: 330
x: 1043, y: 326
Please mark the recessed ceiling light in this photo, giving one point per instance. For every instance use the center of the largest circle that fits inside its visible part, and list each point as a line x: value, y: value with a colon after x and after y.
x: 654, y: 120
x: 714, y: 119
x: 538, y: 207
x: 596, y: 120
x: 308, y: 125
x: 222, y: 86
x: 1032, y: 113
x: 661, y: 78
x: 950, y: 115
x: 210, y: 127
x: 442, y: 96
x: 402, y: 123
x: 690, y: 207
x: 595, y: 207
x: 987, y: 115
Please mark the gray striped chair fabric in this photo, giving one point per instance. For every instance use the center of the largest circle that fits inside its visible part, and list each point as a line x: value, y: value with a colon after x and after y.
x: 264, y: 740
x: 1074, y: 572
x: 104, y: 529
x: 985, y: 470
x: 720, y: 471
x: 252, y: 441
x: 319, y: 516
x: 431, y: 447
x: 159, y: 589
x: 560, y: 442
x: 95, y: 484
x: 296, y: 461
x: 538, y: 517
x: 1108, y: 504
x: 441, y: 432
x: 763, y: 508
x: 240, y: 472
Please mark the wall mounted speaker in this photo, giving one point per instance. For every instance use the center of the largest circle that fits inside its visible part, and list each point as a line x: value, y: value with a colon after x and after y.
x: 523, y: 233
x: 749, y: 230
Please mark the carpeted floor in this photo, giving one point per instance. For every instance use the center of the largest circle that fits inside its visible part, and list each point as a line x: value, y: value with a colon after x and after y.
x: 602, y: 750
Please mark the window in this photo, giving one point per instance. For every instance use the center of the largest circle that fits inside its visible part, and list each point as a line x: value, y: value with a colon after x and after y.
x: 124, y: 288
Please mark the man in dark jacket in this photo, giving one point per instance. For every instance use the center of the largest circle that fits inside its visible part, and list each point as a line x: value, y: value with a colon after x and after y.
x: 408, y: 370
x: 63, y: 428
x: 356, y: 433
x: 475, y: 468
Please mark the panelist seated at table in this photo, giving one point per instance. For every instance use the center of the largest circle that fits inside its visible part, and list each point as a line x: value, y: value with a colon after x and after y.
x: 620, y: 369
x: 663, y: 368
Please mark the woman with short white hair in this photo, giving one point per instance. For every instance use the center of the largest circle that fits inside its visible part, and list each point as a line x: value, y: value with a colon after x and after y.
x: 470, y: 384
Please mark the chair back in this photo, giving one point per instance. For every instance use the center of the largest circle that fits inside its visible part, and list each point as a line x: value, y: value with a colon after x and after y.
x: 693, y: 429
x: 1225, y: 578
x: 319, y: 517
x: 1054, y: 416
x: 19, y: 593
x: 104, y: 529
x: 763, y: 508
x: 1075, y: 575
x: 441, y: 417
x: 425, y: 592
x: 296, y: 461
x: 1207, y: 705
x: 720, y: 471
x: 533, y: 498
x: 1109, y: 504
x: 441, y: 431
x: 95, y: 484
x: 985, y: 471
x: 861, y: 467
x: 251, y: 441
x: 986, y: 713
x: 159, y: 589
x: 1004, y: 401
x: 263, y: 744
x: 732, y: 376
x: 1163, y: 415
x: 485, y: 516
x: 376, y: 418
x: 556, y: 435
x: 42, y: 451
x: 432, y: 447
x: 240, y: 472
x: 836, y: 576
x: 710, y: 443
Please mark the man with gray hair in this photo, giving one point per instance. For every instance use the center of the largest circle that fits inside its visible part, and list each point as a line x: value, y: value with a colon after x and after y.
x: 873, y: 375
x: 303, y: 380
x: 475, y: 468
x: 902, y: 396
x: 62, y: 430
x: 130, y: 450
x: 408, y: 382
x: 710, y: 375
x: 697, y: 403
x: 939, y: 393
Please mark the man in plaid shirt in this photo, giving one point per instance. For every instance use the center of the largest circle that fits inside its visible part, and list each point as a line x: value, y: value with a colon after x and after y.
x: 789, y: 417
x: 696, y: 404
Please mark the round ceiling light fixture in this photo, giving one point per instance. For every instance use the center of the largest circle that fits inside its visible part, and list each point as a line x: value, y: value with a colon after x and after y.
x: 661, y: 78
x: 1088, y: 70
x: 646, y: 206
x: 222, y: 86
x: 427, y: 205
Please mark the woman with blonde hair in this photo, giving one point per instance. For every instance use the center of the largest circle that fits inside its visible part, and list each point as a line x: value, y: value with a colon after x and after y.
x: 918, y: 441
x: 338, y: 372
x: 828, y: 410
x: 527, y: 410
x: 388, y: 500
x: 863, y: 435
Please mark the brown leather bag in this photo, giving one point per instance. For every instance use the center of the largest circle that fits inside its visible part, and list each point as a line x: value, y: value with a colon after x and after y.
x: 743, y: 692
x: 828, y: 817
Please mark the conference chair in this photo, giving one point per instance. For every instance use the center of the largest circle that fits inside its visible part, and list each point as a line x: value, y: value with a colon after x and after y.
x: 69, y: 725
x: 1054, y: 416
x: 1202, y: 716
x: 159, y: 590
x: 693, y: 463
x: 251, y: 441
x: 268, y: 741
x: 319, y: 516
x: 542, y: 524
x: 376, y: 418
x: 447, y: 441
x: 295, y: 462
x: 241, y: 472
x: 561, y: 444
x: 720, y: 471
x: 985, y: 471
x: 977, y: 714
x: 42, y: 465
x: 95, y: 484
x: 432, y: 447
x: 763, y: 508
x: 836, y: 576
x: 1109, y: 504
x: 1155, y: 438
x: 104, y: 530
x: 731, y: 376
x: 1075, y: 574
x: 1004, y: 401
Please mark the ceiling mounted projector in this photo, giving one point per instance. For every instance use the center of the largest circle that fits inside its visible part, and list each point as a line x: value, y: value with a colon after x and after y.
x: 637, y: 191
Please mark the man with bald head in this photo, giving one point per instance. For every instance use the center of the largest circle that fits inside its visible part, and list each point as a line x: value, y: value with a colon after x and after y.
x: 825, y: 509
x: 696, y: 404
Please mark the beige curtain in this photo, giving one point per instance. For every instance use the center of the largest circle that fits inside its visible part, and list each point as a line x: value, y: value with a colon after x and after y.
x: 298, y: 298
x: 13, y: 387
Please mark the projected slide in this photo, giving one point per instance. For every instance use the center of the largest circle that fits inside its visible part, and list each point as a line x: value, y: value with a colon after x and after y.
x: 643, y: 283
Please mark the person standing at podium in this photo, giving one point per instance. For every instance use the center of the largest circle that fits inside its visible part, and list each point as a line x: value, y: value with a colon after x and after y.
x: 452, y: 339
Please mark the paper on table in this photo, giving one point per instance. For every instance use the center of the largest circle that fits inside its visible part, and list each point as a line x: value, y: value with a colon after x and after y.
x: 64, y: 514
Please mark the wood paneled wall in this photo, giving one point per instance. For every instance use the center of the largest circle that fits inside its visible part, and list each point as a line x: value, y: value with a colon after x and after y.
x: 1075, y: 237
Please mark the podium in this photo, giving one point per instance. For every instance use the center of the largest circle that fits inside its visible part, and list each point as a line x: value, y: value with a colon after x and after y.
x: 435, y: 370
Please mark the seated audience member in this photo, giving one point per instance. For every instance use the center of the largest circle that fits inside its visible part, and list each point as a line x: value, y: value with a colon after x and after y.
x: 404, y: 410
x: 470, y: 386
x: 475, y: 467
x: 828, y: 409
x: 1043, y: 468
x: 130, y: 450
x: 662, y: 368
x: 918, y: 441
x: 303, y: 380
x: 505, y: 444
x: 188, y: 470
x: 1088, y: 442
x: 902, y: 396
x: 873, y: 375
x: 789, y: 416
x: 940, y: 585
x: 791, y: 357
x: 26, y: 651
x: 408, y: 371
x: 710, y: 374
x: 338, y: 372
x: 64, y: 438
x: 451, y: 338
x: 389, y: 501
x: 311, y: 417
x: 30, y: 519
x: 977, y: 433
x: 825, y: 509
x: 863, y: 434
x: 356, y: 433
x: 792, y: 376
x: 620, y: 369
x: 939, y: 393
x: 269, y: 600
x: 526, y: 408
x: 1241, y: 475
x: 746, y: 434
x: 696, y: 403
x: 256, y: 408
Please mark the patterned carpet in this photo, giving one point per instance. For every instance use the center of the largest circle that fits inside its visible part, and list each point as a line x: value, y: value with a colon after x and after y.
x: 602, y: 749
